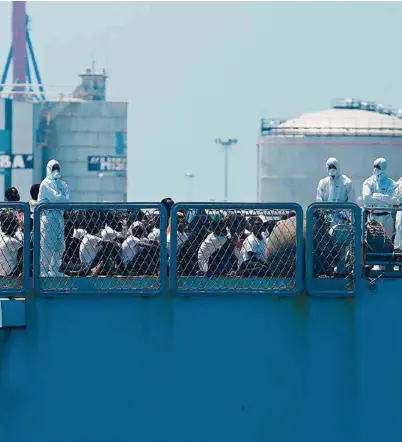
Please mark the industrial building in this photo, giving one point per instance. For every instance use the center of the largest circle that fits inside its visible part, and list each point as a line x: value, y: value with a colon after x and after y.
x: 291, y: 154
x: 81, y: 129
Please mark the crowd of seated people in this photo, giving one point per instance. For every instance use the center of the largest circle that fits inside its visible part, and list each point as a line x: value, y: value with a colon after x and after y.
x: 127, y: 242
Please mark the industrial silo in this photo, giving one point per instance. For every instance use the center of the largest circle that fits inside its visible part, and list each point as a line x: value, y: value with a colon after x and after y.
x: 292, y: 153
x: 87, y: 135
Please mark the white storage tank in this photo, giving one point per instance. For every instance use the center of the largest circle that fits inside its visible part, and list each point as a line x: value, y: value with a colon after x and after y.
x: 292, y: 153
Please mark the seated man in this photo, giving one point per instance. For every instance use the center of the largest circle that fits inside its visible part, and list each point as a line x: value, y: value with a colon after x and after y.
x: 216, y: 255
x: 187, y: 255
x: 254, y: 246
x: 10, y: 247
x: 253, y: 261
x: 97, y: 251
x: 139, y: 255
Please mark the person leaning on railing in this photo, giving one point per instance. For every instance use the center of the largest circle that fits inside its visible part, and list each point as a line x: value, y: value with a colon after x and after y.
x: 380, y: 191
x: 398, y: 220
x: 336, y: 188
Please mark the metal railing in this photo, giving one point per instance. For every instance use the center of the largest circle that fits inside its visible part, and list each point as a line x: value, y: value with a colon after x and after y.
x: 333, y: 248
x: 100, y: 248
x: 199, y: 248
x: 382, y: 250
x: 236, y: 248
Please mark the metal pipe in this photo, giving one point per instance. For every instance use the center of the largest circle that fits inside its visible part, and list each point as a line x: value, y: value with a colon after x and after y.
x: 258, y: 173
x: 19, y: 31
x: 6, y: 68
x: 225, y: 197
x: 226, y: 145
x: 35, y: 66
x: 190, y: 177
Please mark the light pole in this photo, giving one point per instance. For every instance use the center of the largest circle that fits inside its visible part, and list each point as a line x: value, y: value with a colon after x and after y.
x: 101, y: 176
x: 226, y: 145
x: 189, y: 177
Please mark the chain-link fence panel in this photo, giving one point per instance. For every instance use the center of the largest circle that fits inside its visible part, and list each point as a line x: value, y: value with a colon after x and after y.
x: 100, y: 248
x: 382, y: 251
x: 15, y: 246
x: 333, y: 248
x: 236, y: 248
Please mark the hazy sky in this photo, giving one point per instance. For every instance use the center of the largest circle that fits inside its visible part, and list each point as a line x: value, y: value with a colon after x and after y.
x: 192, y: 72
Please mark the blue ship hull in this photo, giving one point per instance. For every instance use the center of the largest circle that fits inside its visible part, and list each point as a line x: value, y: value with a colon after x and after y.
x: 204, y: 369
x: 217, y: 366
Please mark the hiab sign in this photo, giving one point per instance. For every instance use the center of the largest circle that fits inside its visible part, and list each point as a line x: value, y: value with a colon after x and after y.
x: 16, y: 161
x: 106, y: 164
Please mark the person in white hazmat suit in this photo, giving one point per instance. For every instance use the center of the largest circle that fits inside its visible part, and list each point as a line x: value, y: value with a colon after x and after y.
x: 398, y: 221
x: 382, y: 192
x: 52, y: 190
x: 336, y: 188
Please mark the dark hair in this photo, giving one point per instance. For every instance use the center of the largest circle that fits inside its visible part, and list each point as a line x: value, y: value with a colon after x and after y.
x: 237, y: 222
x: 218, y: 226
x: 9, y: 223
x: 34, y: 191
x: 12, y: 194
x: 288, y: 215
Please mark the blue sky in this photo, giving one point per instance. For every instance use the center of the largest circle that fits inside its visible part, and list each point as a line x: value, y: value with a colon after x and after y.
x: 192, y: 72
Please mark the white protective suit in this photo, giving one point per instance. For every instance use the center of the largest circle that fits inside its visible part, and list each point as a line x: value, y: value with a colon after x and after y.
x: 336, y: 188
x: 381, y: 191
x: 398, y: 221
x: 52, y: 190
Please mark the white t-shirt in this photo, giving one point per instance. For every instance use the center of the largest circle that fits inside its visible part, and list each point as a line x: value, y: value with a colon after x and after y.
x: 89, y: 247
x: 130, y: 249
x: 9, y: 247
x: 211, y: 244
x: 155, y: 235
x: 255, y: 245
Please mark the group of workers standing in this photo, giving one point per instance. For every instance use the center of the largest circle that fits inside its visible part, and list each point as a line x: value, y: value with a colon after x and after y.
x: 379, y: 191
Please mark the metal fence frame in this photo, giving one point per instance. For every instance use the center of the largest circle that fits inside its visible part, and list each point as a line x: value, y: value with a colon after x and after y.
x: 85, y: 289
x: 173, y: 279
x: 316, y: 286
x: 390, y: 255
x: 26, y: 282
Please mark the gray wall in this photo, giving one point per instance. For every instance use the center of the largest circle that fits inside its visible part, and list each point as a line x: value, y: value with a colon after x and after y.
x: 79, y: 130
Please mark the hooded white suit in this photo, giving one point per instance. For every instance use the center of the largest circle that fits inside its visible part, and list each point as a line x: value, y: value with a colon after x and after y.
x: 52, y: 190
x: 398, y: 222
x: 336, y: 188
x: 381, y: 191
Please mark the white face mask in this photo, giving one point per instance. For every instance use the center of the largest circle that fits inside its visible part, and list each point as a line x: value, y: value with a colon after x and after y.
x: 331, y: 172
x: 56, y: 174
x: 377, y: 172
